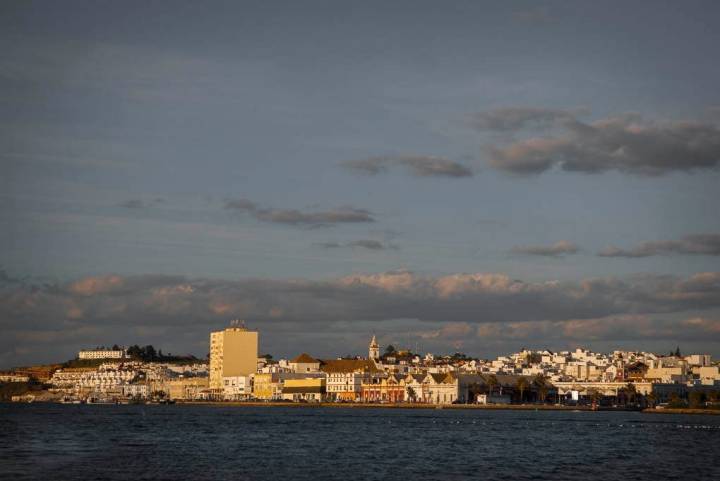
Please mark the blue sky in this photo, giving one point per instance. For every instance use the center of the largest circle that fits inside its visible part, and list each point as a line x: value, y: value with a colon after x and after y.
x: 239, y: 142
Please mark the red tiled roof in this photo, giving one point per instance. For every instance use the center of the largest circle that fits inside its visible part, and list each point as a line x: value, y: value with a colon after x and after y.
x: 348, y: 365
x: 305, y: 359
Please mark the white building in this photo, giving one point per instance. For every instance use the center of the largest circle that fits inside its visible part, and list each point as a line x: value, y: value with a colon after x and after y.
x: 237, y: 388
x: 10, y: 377
x: 304, y: 363
x: 139, y: 390
x: 346, y: 376
x: 102, y: 354
x: 699, y: 360
x: 102, y: 379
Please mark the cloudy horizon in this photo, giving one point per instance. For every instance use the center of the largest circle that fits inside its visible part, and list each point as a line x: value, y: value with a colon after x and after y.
x: 463, y: 177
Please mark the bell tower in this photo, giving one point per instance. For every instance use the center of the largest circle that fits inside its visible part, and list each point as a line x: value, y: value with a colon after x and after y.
x: 374, y: 350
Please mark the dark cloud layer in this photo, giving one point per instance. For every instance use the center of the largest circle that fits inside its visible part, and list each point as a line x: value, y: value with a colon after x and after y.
x: 419, y: 165
x: 627, y: 143
x: 340, y: 215
x: 91, y: 309
x: 558, y: 249
x: 700, y: 244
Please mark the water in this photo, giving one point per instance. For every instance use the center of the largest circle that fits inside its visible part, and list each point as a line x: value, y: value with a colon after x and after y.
x: 68, y: 442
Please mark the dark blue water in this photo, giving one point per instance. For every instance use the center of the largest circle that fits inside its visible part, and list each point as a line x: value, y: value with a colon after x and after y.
x: 48, y: 442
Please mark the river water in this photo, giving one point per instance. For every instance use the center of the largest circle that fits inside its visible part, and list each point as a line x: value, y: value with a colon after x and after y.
x: 71, y: 442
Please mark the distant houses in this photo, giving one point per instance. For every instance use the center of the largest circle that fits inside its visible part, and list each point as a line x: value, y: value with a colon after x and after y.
x: 236, y: 373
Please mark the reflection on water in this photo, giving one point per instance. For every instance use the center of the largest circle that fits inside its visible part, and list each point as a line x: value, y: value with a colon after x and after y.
x: 208, y: 442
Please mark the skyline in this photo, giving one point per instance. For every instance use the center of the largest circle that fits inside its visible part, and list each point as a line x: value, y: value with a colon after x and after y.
x: 466, y: 177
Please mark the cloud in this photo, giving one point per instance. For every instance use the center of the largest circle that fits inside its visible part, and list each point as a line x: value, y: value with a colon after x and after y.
x: 476, y: 298
x: 133, y: 204
x: 700, y: 244
x: 558, y: 249
x: 451, y: 331
x: 140, y: 204
x: 110, y: 309
x: 709, y: 326
x: 627, y: 143
x: 295, y: 217
x: 363, y: 243
x: 7, y: 279
x: 418, y: 165
x: 511, y: 119
x: 616, y: 328
x: 96, y: 285
x: 538, y: 15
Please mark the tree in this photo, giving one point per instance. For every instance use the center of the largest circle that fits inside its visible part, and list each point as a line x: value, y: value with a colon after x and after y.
x: 675, y: 401
x: 677, y: 352
x: 533, y: 358
x: 492, y: 382
x: 473, y: 390
x: 540, y: 384
x: 135, y: 352
x: 594, y: 395
x: 631, y: 392
x: 696, y: 399
x: 150, y: 354
x: 412, y: 395
x: 521, y: 386
x: 390, y: 350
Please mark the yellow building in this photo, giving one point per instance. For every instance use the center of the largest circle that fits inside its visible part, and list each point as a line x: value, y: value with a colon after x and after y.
x: 267, y: 386
x: 233, y: 352
x: 304, y: 389
x: 186, y: 388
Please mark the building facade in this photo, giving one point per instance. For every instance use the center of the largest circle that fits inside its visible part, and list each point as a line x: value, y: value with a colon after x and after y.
x: 304, y: 363
x: 233, y: 352
x: 101, y: 354
x: 310, y: 389
x: 345, y: 377
x: 237, y: 388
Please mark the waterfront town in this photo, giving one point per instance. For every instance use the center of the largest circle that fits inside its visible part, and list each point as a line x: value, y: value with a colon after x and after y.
x: 235, y: 372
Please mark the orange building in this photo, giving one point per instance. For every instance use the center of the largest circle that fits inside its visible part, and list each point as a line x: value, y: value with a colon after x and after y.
x: 386, y: 389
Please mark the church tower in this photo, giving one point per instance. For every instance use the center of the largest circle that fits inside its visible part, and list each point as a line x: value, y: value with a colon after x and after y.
x: 374, y: 350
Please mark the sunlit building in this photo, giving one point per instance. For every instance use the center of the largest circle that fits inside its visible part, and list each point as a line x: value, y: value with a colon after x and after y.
x: 233, y: 352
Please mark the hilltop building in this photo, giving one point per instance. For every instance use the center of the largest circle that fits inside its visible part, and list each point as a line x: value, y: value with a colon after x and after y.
x: 102, y: 354
x: 233, y: 352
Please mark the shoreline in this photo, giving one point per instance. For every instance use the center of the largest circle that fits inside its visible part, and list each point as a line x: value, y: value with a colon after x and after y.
x: 682, y: 411
x: 353, y: 405
x: 490, y: 407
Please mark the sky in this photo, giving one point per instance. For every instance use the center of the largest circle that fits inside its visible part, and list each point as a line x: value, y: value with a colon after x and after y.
x: 448, y: 176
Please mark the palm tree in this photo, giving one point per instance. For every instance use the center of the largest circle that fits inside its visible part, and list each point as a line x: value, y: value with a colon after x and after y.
x: 521, y: 386
x: 412, y: 396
